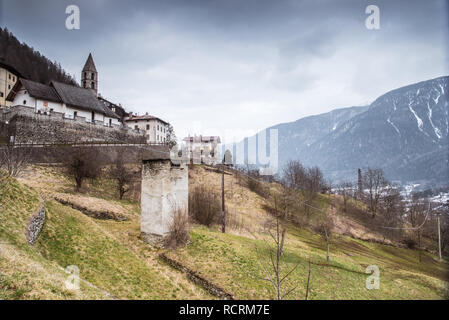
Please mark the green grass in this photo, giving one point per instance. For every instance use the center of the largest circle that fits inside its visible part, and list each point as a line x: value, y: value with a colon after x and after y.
x: 24, y: 273
x: 115, y: 267
x: 231, y: 261
x: 70, y: 238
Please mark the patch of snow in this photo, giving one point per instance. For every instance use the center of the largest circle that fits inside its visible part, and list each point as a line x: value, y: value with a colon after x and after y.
x: 435, y: 129
x: 335, y: 126
x: 394, y: 126
x: 418, y: 119
x: 442, y: 89
x: 436, y: 99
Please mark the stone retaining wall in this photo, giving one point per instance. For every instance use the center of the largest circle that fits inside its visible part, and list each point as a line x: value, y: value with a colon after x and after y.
x: 35, y: 225
x: 30, y: 127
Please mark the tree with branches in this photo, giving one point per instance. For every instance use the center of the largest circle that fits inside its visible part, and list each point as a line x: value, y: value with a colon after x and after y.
x: 122, y: 175
x: 81, y: 164
x: 272, y: 268
x: 13, y: 158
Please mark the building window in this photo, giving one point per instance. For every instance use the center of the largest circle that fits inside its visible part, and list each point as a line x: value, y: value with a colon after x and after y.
x: 110, y: 122
x: 84, y: 83
x: 24, y: 102
x: 85, y: 75
x: 75, y: 114
x: 93, y: 76
x: 1, y: 94
x: 136, y: 127
x: 148, y: 127
x: 157, y: 127
x: 93, y: 85
x: 9, y: 86
x: 13, y: 78
x: 9, y: 76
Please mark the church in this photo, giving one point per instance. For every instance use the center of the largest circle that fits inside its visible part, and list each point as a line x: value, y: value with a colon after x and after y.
x: 66, y: 101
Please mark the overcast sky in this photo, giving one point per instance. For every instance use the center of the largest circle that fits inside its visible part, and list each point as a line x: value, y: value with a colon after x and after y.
x: 239, y: 66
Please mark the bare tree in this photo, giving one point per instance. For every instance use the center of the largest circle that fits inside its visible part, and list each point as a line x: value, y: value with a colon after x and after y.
x: 324, y: 228
x: 417, y: 214
x: 13, y: 159
x: 178, y: 229
x: 171, y: 137
x: 392, y: 209
x: 314, y: 183
x: 374, y: 181
x: 122, y: 175
x: 81, y: 164
x: 272, y: 268
x: 345, y: 190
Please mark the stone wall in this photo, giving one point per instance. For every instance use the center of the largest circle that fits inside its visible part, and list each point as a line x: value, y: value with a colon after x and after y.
x: 165, y: 186
x: 35, y: 225
x: 29, y: 127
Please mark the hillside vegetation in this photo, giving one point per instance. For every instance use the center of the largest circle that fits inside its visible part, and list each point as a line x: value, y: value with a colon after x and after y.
x: 115, y: 263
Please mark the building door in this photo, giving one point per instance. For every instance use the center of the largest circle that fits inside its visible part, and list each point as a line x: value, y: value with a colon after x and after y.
x: 110, y: 122
x: 93, y: 116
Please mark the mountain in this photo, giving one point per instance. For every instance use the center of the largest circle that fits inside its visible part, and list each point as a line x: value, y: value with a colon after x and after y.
x: 405, y: 132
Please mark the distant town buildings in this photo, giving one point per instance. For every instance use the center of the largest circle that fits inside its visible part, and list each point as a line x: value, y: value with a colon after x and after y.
x: 155, y: 129
x: 8, y: 78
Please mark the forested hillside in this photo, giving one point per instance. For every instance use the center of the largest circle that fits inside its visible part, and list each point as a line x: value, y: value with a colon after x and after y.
x: 29, y: 62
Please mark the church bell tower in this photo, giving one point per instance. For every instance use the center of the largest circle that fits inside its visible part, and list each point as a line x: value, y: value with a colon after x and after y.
x: 89, y: 75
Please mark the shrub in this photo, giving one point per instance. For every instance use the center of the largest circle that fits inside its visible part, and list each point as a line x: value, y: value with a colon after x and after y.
x: 179, y: 229
x: 204, y: 205
x: 81, y: 164
x: 410, y: 243
x: 258, y: 187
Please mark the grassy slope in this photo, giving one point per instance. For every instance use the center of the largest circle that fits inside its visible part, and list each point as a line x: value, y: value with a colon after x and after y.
x: 230, y: 259
x: 24, y: 273
x: 109, y: 254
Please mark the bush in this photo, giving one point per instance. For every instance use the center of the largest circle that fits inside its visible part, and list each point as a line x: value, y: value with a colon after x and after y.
x: 81, y: 164
x: 179, y: 229
x: 258, y: 187
x: 410, y: 243
x: 204, y: 205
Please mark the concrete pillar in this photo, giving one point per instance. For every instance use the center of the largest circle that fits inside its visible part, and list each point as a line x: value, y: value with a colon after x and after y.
x: 165, y: 186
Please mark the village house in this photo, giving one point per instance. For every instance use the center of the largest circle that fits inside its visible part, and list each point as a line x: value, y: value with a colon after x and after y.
x: 8, y: 78
x: 116, y: 108
x: 69, y: 101
x: 155, y: 129
x: 203, y: 148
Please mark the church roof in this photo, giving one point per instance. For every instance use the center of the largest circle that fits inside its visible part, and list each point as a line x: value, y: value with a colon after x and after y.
x: 38, y: 90
x: 78, y: 97
x: 89, y: 65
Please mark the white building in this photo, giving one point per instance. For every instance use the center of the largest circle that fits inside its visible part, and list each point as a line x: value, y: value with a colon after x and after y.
x: 203, y: 147
x: 69, y: 101
x: 155, y: 129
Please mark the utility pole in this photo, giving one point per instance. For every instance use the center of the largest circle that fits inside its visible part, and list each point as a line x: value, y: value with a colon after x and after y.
x: 439, y: 237
x: 223, y: 215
